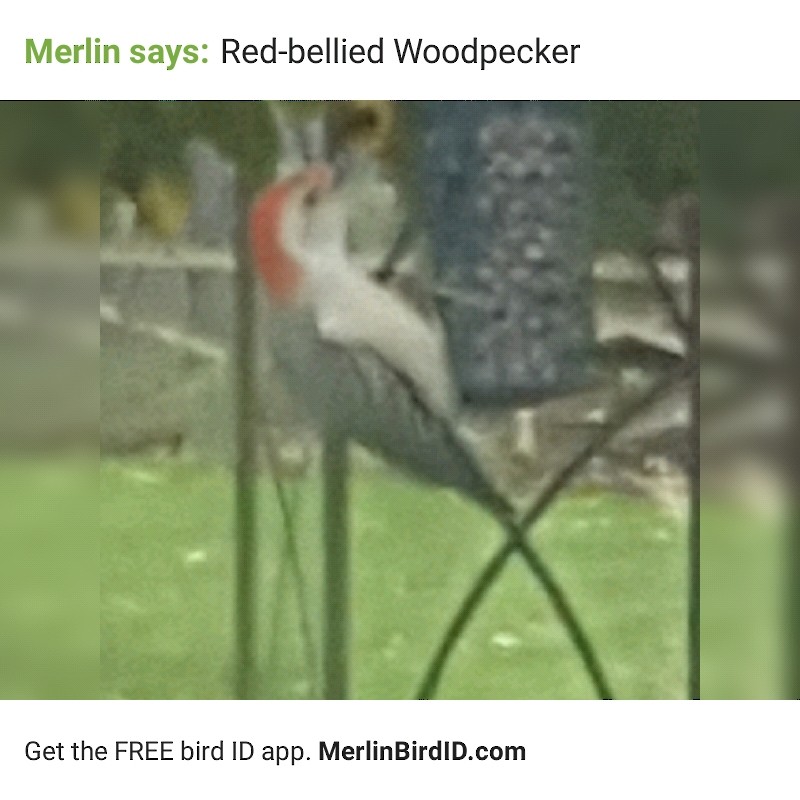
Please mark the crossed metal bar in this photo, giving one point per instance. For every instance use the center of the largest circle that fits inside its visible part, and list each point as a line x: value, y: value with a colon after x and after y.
x: 517, y: 542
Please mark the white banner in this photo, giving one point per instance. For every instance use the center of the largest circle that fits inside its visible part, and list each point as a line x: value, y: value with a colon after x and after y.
x: 620, y: 49
x: 459, y: 749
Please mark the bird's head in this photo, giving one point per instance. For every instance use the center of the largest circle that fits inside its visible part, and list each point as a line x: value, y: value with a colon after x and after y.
x: 292, y: 224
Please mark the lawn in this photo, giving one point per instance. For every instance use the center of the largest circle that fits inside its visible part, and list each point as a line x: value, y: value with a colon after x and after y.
x: 164, y: 553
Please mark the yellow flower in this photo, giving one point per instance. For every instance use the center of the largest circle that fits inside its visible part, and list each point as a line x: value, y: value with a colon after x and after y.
x: 163, y: 205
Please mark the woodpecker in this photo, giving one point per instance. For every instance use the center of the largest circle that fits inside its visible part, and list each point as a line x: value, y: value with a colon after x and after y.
x: 362, y: 362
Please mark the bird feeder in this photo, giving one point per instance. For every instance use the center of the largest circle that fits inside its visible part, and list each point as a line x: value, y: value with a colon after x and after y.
x: 505, y: 194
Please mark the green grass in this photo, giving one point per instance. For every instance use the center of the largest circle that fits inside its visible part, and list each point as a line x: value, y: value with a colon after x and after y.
x: 166, y: 592
x: 744, y: 615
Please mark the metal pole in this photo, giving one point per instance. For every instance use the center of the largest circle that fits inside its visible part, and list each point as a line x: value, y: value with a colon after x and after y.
x: 246, y: 459
x: 793, y: 482
x: 336, y: 593
x: 693, y: 351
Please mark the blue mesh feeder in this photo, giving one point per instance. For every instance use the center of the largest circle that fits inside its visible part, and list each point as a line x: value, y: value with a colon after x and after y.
x: 505, y: 196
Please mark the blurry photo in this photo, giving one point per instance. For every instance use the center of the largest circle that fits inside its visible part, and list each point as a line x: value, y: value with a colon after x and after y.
x: 393, y: 400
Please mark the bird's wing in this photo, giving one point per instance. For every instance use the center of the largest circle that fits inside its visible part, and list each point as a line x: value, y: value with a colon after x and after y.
x: 353, y: 391
x: 355, y: 312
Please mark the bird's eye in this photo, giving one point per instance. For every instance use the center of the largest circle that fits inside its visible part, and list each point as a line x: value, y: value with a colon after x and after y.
x: 311, y: 198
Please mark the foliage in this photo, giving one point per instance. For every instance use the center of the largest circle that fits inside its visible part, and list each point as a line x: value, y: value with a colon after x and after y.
x: 645, y: 151
x: 146, y: 137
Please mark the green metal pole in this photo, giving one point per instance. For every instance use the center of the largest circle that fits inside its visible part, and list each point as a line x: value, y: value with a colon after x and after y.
x: 692, y: 246
x: 246, y: 460
x: 336, y: 592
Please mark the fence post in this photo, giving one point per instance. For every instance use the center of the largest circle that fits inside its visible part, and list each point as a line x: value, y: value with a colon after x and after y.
x: 336, y: 591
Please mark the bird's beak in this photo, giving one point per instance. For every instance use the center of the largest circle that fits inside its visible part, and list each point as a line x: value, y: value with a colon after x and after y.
x: 318, y: 146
